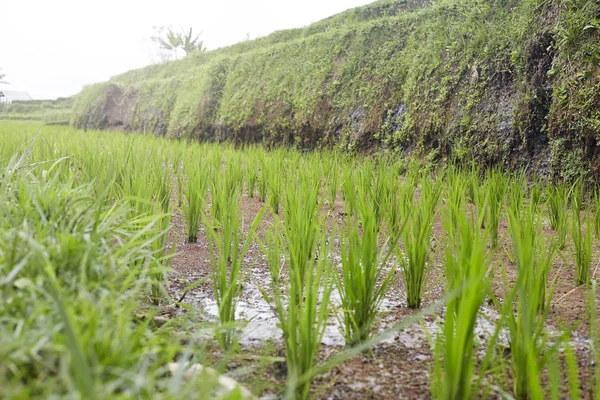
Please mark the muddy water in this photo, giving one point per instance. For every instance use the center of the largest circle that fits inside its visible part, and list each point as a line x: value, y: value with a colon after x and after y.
x: 260, y: 323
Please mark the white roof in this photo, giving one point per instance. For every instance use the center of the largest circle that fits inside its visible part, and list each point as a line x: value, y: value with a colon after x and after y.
x: 15, y: 95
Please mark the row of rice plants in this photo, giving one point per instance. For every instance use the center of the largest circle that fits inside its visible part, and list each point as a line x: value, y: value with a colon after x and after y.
x: 362, y: 281
x: 387, y: 228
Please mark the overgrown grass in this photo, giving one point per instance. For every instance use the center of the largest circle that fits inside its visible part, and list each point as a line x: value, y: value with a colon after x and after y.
x: 70, y: 291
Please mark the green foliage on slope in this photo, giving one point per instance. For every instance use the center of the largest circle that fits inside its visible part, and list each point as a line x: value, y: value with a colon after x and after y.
x: 499, y: 82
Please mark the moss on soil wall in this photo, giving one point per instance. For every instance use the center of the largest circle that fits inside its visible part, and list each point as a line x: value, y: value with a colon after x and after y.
x: 500, y: 82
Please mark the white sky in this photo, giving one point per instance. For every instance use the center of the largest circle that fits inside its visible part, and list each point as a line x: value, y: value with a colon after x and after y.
x: 51, y: 48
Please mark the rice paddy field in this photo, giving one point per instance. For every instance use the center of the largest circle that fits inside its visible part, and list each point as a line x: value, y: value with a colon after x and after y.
x: 133, y: 266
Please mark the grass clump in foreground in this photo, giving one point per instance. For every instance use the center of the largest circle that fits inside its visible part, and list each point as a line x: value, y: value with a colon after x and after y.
x: 70, y: 289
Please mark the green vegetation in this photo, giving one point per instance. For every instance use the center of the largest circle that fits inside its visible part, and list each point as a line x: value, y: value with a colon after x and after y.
x: 583, y: 249
x: 593, y: 323
x: 417, y: 242
x: 89, y: 265
x: 227, y: 248
x: 91, y: 222
x: 466, y: 267
x: 302, y: 298
x: 57, y: 111
x: 195, y: 192
x: 76, y: 261
x: 527, y: 325
x: 364, y: 280
x: 414, y: 76
x: 557, y: 202
x: 496, y: 184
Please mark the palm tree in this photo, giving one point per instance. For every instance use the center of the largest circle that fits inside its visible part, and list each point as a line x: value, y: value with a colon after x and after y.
x: 188, y: 44
x: 169, y: 40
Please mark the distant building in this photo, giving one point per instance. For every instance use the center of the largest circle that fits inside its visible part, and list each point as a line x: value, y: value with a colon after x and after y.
x: 8, y: 96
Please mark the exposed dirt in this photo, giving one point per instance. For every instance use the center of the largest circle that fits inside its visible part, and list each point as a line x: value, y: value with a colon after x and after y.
x: 396, y: 368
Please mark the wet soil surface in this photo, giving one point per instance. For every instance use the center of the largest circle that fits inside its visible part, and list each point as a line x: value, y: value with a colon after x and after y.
x: 397, y: 367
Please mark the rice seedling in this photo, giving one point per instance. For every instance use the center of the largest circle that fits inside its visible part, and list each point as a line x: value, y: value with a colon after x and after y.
x: 302, y: 298
x: 375, y: 178
x: 301, y: 223
x: 517, y: 193
x: 195, y: 192
x: 577, y: 197
x: 227, y: 251
x: 275, y: 185
x: 594, y: 337
x: 557, y: 200
x: 263, y: 180
x: 596, y: 211
x: 572, y: 372
x: 582, y: 242
x: 414, y: 172
x: 405, y: 201
x: 159, y: 262
x: 348, y: 191
x: 417, y: 241
x: 528, y: 339
x: 496, y: 190
x: 162, y: 213
x: 176, y: 158
x: 396, y: 200
x: 363, y: 282
x: 466, y: 265
x: 474, y: 189
x: 251, y: 175
x: 535, y: 195
x: 225, y: 188
x: 392, y: 205
x: 456, y: 193
x: 332, y: 181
